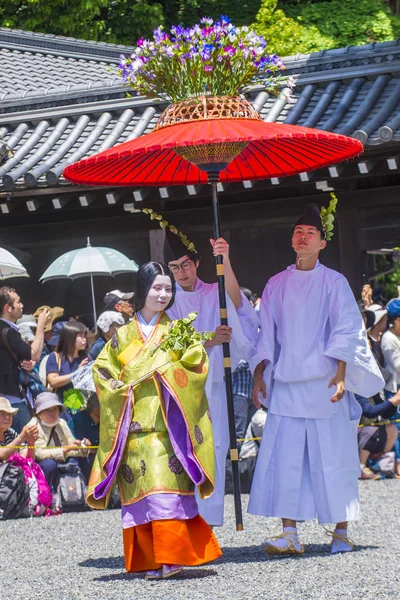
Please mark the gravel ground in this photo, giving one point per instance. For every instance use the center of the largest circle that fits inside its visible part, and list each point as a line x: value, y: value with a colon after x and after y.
x: 79, y: 557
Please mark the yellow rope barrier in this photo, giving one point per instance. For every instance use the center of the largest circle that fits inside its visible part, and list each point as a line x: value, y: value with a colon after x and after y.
x: 248, y: 439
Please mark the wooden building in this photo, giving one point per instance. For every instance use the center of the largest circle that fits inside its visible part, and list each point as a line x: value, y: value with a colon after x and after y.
x: 61, y: 99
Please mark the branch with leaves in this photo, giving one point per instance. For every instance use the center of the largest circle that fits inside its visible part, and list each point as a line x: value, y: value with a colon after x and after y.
x: 181, y: 335
x: 164, y: 225
x: 328, y: 217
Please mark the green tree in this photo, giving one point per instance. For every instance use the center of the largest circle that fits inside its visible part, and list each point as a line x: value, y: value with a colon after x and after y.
x: 290, y: 26
x: 78, y: 18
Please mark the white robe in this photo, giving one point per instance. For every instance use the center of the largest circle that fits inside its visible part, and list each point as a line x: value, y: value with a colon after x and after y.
x: 205, y: 301
x: 308, y: 461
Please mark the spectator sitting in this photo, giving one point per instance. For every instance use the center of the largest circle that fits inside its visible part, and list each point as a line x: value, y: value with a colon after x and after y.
x: 9, y: 438
x: 15, y: 353
x: 120, y: 302
x: 68, y: 357
x: 86, y: 424
x: 391, y: 353
x: 376, y: 439
x: 56, y: 443
x: 107, y: 324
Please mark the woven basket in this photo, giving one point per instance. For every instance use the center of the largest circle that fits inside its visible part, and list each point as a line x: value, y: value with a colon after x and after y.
x: 207, y: 107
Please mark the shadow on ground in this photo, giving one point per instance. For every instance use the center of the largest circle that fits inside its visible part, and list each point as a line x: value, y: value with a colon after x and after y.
x: 187, y: 574
x: 255, y: 553
x: 238, y: 555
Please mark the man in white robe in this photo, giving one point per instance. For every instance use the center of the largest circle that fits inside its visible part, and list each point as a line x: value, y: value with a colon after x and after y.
x: 312, y: 340
x: 192, y: 294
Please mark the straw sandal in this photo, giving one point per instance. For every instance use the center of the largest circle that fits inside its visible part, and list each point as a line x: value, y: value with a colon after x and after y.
x: 336, y: 537
x: 291, y: 548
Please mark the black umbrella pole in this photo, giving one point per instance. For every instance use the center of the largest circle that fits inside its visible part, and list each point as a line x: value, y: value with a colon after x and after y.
x: 234, y: 454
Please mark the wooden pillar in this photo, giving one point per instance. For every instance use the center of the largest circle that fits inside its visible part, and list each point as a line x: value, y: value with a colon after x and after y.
x: 156, y: 240
x: 349, y: 248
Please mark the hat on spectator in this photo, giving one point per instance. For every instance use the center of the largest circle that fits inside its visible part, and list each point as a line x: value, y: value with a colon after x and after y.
x: 393, y: 308
x: 47, y: 400
x: 369, y: 319
x: 55, y: 313
x: 26, y: 332
x: 5, y: 406
x: 112, y: 298
x: 107, y: 318
x: 379, y: 313
x: 56, y: 330
x: 28, y: 320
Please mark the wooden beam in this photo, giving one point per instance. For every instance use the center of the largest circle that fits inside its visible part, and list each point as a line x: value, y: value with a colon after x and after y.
x: 349, y: 248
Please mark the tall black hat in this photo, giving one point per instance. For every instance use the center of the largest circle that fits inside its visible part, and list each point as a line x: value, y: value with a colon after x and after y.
x: 311, y: 216
x: 174, y: 248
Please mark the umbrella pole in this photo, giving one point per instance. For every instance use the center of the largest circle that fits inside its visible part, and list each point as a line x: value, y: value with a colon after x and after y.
x: 94, y: 302
x: 234, y: 454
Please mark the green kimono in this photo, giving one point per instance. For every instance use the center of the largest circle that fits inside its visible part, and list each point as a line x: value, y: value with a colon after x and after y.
x: 155, y: 426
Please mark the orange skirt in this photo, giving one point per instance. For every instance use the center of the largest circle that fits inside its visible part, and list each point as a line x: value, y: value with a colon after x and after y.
x: 169, y: 542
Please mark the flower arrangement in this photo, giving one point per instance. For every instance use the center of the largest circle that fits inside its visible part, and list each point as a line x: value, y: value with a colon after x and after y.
x: 210, y: 58
x: 164, y: 224
x: 181, y: 335
x: 328, y: 217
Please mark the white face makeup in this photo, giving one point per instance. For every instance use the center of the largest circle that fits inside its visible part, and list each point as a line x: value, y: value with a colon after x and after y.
x: 159, y: 295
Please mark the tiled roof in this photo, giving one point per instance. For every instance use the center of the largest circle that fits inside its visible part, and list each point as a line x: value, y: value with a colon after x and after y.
x: 63, y: 104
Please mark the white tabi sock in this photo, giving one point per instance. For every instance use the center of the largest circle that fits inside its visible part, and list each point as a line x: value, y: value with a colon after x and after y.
x: 283, y: 542
x: 341, y: 545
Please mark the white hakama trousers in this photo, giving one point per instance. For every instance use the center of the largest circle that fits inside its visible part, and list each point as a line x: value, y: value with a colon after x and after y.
x: 309, y: 468
x: 212, y: 508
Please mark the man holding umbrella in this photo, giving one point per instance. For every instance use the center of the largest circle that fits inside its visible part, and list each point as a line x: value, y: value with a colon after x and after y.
x: 195, y: 295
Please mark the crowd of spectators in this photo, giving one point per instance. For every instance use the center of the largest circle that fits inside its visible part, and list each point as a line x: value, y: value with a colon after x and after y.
x: 378, y: 437
x: 40, y: 353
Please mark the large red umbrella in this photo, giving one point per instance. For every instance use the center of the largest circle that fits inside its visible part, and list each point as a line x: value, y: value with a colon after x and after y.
x: 205, y: 141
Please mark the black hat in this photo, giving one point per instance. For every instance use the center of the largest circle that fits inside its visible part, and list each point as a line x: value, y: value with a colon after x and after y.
x: 174, y: 248
x: 311, y: 217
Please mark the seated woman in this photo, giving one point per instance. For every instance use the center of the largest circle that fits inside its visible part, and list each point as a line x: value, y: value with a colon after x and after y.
x: 9, y: 438
x: 155, y: 436
x: 68, y: 357
x: 107, y: 324
x: 55, y: 443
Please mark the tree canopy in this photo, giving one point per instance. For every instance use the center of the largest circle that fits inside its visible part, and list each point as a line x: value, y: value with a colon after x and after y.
x: 290, y: 26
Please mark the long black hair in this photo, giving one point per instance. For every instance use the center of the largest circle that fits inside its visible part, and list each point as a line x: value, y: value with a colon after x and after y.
x: 68, y: 335
x: 145, y: 278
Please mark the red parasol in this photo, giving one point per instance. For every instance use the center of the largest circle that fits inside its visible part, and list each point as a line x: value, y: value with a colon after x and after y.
x: 269, y: 150
x: 206, y: 140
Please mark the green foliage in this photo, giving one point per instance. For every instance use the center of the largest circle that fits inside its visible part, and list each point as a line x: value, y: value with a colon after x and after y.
x: 78, y: 18
x: 290, y: 26
x: 281, y: 32
x: 390, y: 281
x: 328, y: 216
x: 181, y: 335
x: 189, y: 12
x: 338, y: 23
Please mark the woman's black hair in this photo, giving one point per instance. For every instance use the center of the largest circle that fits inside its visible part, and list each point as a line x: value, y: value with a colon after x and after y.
x: 68, y: 334
x: 144, y: 280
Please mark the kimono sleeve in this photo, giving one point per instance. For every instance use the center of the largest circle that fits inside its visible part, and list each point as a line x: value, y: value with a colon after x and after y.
x: 248, y: 319
x: 265, y: 348
x: 347, y: 341
x: 107, y: 371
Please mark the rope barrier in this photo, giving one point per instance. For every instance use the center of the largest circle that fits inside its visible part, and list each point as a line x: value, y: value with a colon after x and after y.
x: 245, y: 439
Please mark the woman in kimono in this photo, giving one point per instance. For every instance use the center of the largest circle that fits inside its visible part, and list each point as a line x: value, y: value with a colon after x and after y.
x: 155, y: 436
